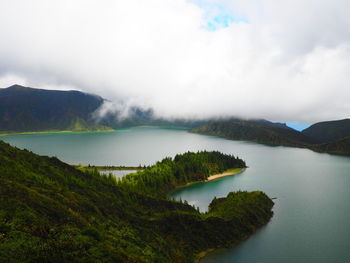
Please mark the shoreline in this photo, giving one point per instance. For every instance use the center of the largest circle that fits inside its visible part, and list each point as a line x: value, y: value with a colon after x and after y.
x: 54, y: 132
x: 227, y: 173
x: 202, y: 254
x: 107, y: 167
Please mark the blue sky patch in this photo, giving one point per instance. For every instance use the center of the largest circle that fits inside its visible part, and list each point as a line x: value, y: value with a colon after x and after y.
x: 218, y: 15
x: 297, y: 126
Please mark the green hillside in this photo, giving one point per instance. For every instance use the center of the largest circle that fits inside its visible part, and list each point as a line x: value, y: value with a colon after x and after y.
x: 341, y: 146
x: 329, y: 131
x: 267, y: 134
x: 25, y: 109
x: 51, y: 212
x: 243, y: 130
x: 169, y: 173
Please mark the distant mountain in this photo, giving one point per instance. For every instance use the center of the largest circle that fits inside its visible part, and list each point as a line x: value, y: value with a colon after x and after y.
x: 341, y: 146
x: 330, y: 137
x: 269, y: 123
x: 328, y: 131
x: 27, y: 109
x: 261, y: 132
x: 24, y: 109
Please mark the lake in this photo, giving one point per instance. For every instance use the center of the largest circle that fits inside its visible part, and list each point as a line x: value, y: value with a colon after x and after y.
x: 312, y: 211
x: 118, y: 173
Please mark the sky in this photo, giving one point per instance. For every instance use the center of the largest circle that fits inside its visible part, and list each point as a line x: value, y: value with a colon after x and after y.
x: 284, y: 60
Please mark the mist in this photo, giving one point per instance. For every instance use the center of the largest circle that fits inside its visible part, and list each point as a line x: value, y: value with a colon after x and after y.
x: 278, y: 60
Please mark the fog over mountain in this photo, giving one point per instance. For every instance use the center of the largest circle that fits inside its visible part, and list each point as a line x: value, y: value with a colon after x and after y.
x: 278, y: 60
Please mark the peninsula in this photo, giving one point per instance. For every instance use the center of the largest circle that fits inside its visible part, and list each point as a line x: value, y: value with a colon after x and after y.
x: 53, y: 212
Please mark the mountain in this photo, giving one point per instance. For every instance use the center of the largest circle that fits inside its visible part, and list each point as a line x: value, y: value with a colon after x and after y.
x: 328, y: 131
x: 51, y: 212
x: 269, y: 123
x: 25, y: 109
x: 341, y: 146
x: 147, y: 117
x: 329, y: 137
x: 261, y: 132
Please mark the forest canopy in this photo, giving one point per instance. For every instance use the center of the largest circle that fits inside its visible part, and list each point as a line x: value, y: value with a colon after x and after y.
x: 52, y: 212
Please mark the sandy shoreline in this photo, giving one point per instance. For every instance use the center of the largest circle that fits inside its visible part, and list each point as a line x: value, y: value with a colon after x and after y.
x: 212, y: 177
x: 230, y: 172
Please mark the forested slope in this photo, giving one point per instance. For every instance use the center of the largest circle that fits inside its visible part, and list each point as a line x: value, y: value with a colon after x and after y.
x: 243, y: 130
x: 24, y: 109
x: 341, y: 146
x: 51, y: 212
x: 328, y: 131
x: 169, y: 173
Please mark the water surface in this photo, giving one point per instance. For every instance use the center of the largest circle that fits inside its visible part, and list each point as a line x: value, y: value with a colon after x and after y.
x: 118, y: 173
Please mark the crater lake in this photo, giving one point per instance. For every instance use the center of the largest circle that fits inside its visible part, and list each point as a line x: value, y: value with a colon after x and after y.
x: 311, y: 221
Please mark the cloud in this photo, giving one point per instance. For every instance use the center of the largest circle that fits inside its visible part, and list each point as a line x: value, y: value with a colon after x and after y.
x: 281, y: 60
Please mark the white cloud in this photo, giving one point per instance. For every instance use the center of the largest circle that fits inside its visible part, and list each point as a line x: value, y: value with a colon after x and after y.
x: 291, y: 62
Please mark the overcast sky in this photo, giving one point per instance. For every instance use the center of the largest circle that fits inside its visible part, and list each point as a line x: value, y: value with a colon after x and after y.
x: 283, y: 60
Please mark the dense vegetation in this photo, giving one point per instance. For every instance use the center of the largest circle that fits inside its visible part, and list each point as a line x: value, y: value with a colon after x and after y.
x: 341, y: 146
x: 257, y: 132
x: 328, y: 131
x: 52, y: 212
x: 25, y: 109
x: 336, y: 134
x: 169, y: 173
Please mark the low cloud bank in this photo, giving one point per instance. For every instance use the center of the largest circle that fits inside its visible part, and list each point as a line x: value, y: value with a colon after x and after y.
x: 279, y: 60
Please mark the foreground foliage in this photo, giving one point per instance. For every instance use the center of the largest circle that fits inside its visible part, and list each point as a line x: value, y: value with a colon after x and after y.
x: 52, y: 212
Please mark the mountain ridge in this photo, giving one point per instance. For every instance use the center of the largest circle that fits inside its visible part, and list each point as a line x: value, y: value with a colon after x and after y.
x: 24, y: 109
x: 275, y: 136
x: 250, y: 131
x: 329, y: 131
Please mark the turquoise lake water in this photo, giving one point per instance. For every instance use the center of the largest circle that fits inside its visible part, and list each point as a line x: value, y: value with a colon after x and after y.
x: 312, y: 210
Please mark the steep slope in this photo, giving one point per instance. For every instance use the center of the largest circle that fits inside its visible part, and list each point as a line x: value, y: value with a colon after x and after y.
x: 250, y: 131
x: 28, y: 109
x: 51, y: 212
x: 328, y: 131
